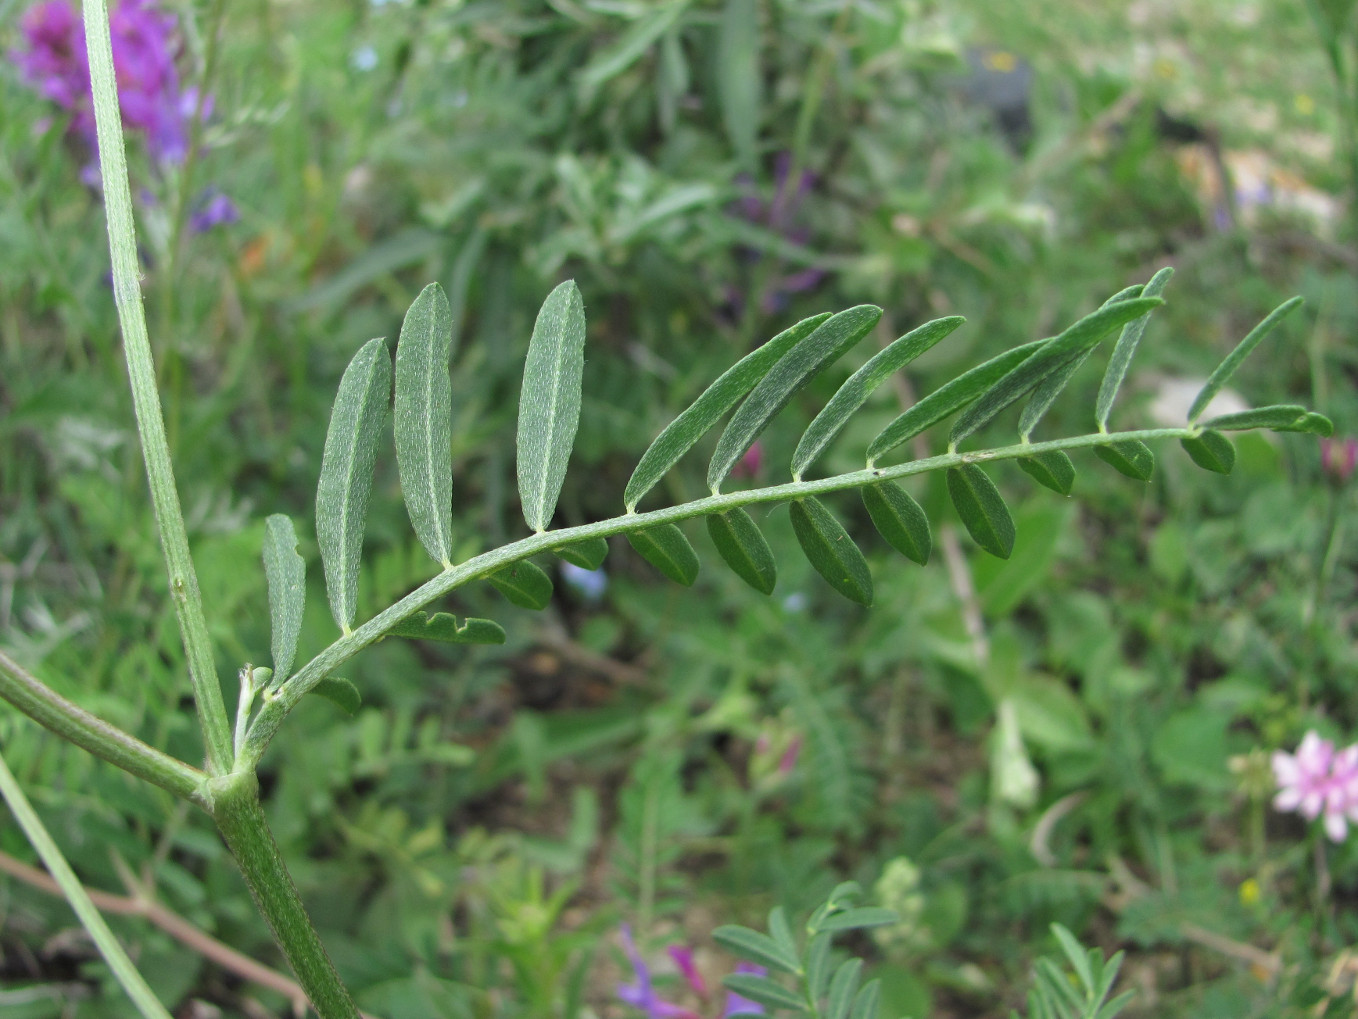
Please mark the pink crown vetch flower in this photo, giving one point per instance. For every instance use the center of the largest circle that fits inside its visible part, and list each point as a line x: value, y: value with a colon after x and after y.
x: 1316, y: 780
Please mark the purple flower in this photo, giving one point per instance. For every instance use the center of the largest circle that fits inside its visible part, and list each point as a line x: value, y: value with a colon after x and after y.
x: 213, y: 209
x: 639, y: 993
x: 589, y: 584
x: 778, y: 215
x: 1317, y: 780
x: 1338, y: 458
x: 737, y: 1005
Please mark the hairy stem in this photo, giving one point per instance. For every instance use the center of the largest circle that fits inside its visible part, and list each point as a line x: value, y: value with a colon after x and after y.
x: 240, y: 818
x: 278, y: 704
x: 188, y: 602
x: 89, y: 732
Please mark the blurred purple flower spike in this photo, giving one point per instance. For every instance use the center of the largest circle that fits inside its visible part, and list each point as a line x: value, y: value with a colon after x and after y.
x: 214, y: 209
x: 639, y: 993
x: 1338, y: 459
x: 778, y: 215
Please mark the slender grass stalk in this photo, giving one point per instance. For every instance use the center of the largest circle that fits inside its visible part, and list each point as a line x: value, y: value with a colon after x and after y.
x: 122, y: 236
x: 79, y: 899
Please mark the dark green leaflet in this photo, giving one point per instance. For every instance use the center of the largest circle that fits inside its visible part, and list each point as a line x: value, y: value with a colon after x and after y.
x: 588, y: 554
x: 666, y: 548
x: 443, y: 626
x: 830, y: 550
x: 339, y: 692
x: 524, y: 584
x: 1052, y: 469
x: 1124, y: 350
x: 1131, y: 457
x: 1211, y: 451
x: 979, y: 503
x: 899, y: 519
x: 743, y: 548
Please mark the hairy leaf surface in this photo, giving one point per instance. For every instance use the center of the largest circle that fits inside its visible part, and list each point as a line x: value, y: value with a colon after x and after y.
x: 1052, y: 469
x: 1279, y: 417
x: 860, y: 385
x: 1124, y: 350
x: 680, y: 434
x: 825, y: 344
x: 525, y: 584
x: 347, y: 473
x: 979, y: 503
x: 549, y: 407
x: 743, y: 548
x: 443, y: 626
x: 423, y: 421
x: 666, y: 548
x: 830, y: 550
x: 1235, y: 358
x: 285, y: 572
x: 899, y: 519
x: 1131, y: 457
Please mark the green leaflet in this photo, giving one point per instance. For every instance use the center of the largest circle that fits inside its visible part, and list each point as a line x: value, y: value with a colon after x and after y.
x: 825, y: 344
x: 285, y: 572
x: 865, y: 1004
x: 423, y: 421
x: 681, y: 433
x: 842, y: 988
x: 738, y: 78
x: 756, y: 947
x: 1055, y: 353
x: 860, y: 386
x: 1279, y: 417
x: 666, y: 548
x: 781, y: 932
x: 549, y: 407
x: 524, y: 584
x: 443, y: 626
x: 588, y: 554
x: 764, y: 991
x: 899, y: 519
x: 942, y: 402
x: 347, y: 473
x: 979, y: 503
x: 860, y: 917
x: 830, y: 550
x: 1132, y: 458
x: 1313, y: 424
x: 619, y: 56
x: 818, y: 962
x: 1211, y: 451
x: 339, y: 692
x: 1124, y: 350
x: 1233, y: 360
x: 1052, y: 469
x: 743, y: 548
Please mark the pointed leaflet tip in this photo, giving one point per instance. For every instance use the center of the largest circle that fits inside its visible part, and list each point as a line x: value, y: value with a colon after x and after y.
x: 1227, y: 368
x: 347, y: 473
x: 1124, y: 350
x: 423, y: 420
x: 549, y: 407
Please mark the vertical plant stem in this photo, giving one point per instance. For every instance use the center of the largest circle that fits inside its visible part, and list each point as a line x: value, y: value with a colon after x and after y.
x: 132, y: 981
x: 239, y: 816
x: 188, y: 602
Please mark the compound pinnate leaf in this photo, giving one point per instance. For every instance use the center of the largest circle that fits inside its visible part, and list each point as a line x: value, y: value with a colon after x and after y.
x: 830, y: 550
x: 743, y: 548
x: 1051, y: 469
x: 1233, y: 360
x: 443, y: 626
x: 865, y: 1004
x: 826, y: 343
x: 665, y: 547
x: 756, y: 947
x: 952, y: 396
x: 1279, y: 417
x: 339, y: 692
x: 860, y: 386
x: 899, y: 519
x: 979, y: 503
x: 285, y: 572
x: 1124, y: 350
x: 549, y: 406
x: 842, y: 987
x: 588, y: 554
x: 1211, y: 451
x: 524, y: 584
x: 347, y: 473
x: 423, y: 421
x: 680, y: 434
x: 1053, y: 355
x: 1131, y: 457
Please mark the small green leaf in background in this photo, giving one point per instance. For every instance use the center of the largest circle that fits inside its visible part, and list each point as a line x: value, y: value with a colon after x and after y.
x: 1211, y: 451
x: 756, y: 947
x: 842, y: 987
x: 680, y: 434
x: 764, y: 991
x: 831, y: 551
x: 781, y: 932
x: 865, y: 1004
x: 738, y: 78
x: 285, y: 572
x: 549, y: 407
x: 524, y: 584
x: 629, y: 47
x: 950, y: 397
x: 1227, y: 368
x: 899, y: 519
x: 825, y: 344
x: 1124, y: 350
x: 339, y: 692
x: 588, y: 554
x: 443, y: 626
x: 743, y: 548
x: 423, y: 421
x: 347, y: 473
x: 1131, y: 457
x: 1052, y: 469
x: 666, y: 548
x: 858, y: 919
x: 1054, y: 354
x: 979, y: 503
x: 860, y: 386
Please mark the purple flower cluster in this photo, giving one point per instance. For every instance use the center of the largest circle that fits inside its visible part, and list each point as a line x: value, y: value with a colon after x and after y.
x: 641, y: 995
x: 1316, y: 780
x: 779, y: 215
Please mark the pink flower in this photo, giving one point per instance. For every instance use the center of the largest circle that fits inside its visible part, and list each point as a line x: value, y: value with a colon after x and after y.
x: 1338, y: 458
x: 1317, y: 780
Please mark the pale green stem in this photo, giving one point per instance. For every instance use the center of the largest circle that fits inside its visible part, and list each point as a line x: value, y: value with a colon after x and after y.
x: 188, y: 602
x: 79, y: 899
x: 277, y: 705
x: 72, y: 722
